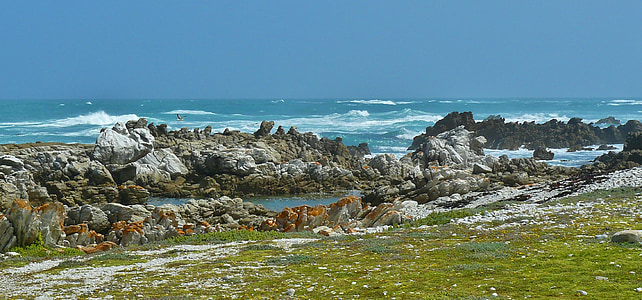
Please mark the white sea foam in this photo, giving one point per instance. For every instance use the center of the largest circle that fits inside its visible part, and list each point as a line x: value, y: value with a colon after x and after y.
x: 373, y: 101
x: 407, y: 134
x: 624, y: 102
x: 349, y: 123
x: 97, y: 118
x: 88, y: 103
x: 188, y: 112
x: 537, y: 117
x: 358, y: 113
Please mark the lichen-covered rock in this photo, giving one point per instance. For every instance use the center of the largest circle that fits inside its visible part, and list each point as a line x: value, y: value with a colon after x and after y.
x: 25, y: 222
x: 52, y: 217
x: 7, y: 238
x: 93, y: 216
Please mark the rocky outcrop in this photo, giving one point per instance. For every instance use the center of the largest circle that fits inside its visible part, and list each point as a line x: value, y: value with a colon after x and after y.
x: 120, y: 145
x: 341, y: 217
x: 512, y: 135
x: 629, y: 157
x: 610, y: 120
x: 456, y: 147
x: 627, y: 236
x: 22, y: 225
x: 543, y: 154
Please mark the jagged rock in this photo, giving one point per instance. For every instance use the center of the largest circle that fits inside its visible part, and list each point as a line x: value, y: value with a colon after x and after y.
x: 119, y: 145
x: 52, y: 217
x: 633, y: 141
x: 25, y: 222
x: 98, y: 174
x: 543, y: 154
x: 481, y: 169
x: 389, y: 165
x: 7, y: 238
x: 605, y: 147
x: 455, y: 147
x: 164, y: 159
x: 512, y: 135
x: 264, y: 130
x: 608, y: 120
x: 93, y: 216
x: 133, y: 195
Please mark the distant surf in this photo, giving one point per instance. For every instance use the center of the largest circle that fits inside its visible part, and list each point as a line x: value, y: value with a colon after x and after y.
x: 387, y: 125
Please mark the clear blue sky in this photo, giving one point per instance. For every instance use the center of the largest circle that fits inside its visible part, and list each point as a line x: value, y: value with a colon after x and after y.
x: 319, y: 49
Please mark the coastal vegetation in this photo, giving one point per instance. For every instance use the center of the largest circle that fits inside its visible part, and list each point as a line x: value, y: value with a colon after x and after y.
x: 558, y: 249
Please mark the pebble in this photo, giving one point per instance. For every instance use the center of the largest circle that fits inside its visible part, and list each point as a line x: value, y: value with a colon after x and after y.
x: 290, y: 292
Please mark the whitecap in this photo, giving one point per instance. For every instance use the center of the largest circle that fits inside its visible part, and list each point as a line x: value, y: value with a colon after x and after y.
x: 188, y: 112
x: 97, y: 118
x: 372, y: 101
x: 624, y: 102
x: 278, y: 101
x: 358, y: 113
x: 408, y: 135
x: 88, y: 103
x: 537, y: 118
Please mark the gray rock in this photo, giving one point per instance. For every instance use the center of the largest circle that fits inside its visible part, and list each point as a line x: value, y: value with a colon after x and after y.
x: 456, y: 147
x: 543, y: 154
x: 120, y: 146
x: 481, y: 169
x: 627, y: 236
x: 93, y: 216
x: 166, y: 160
x: 7, y: 238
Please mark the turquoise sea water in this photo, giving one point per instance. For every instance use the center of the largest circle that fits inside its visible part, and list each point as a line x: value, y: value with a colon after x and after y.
x: 387, y: 125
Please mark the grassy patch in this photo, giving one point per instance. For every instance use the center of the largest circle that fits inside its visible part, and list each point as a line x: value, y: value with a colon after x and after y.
x: 226, y: 236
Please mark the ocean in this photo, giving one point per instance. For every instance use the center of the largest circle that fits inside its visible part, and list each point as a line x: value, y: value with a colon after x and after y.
x: 387, y: 125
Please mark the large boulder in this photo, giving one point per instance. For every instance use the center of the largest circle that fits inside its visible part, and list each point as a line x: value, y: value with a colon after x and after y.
x: 543, y: 154
x: 165, y: 160
x: 457, y: 147
x: 51, y: 227
x: 93, y: 216
x: 120, y: 145
x: 627, y: 236
x: 7, y: 238
x: 22, y: 224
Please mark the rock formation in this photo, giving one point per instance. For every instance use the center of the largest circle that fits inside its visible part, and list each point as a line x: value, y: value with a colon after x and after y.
x: 512, y: 135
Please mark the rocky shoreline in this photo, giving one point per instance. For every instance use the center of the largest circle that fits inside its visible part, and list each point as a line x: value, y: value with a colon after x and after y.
x: 93, y: 197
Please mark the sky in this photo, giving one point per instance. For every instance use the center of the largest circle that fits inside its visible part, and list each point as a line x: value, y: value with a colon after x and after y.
x: 319, y: 49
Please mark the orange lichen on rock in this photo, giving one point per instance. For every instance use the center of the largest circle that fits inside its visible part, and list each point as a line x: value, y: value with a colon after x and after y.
x: 104, y: 246
x: 268, y: 225
x: 118, y: 225
x: 23, y: 204
x: 345, y: 201
x: 134, y: 226
x: 80, y: 228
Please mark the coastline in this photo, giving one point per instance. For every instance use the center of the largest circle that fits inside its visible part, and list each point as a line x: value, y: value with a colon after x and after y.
x: 93, y: 198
